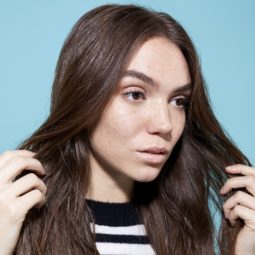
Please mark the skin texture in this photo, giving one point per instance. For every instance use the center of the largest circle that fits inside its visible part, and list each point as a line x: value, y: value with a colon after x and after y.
x: 134, y: 121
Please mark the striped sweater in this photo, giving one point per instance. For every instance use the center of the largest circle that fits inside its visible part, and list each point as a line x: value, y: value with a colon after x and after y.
x: 118, y: 229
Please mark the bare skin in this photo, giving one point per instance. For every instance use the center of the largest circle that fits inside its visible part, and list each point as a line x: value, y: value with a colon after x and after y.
x: 139, y: 116
x: 18, y: 197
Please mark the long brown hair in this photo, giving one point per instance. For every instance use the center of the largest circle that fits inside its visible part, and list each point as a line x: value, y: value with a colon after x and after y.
x: 173, y: 207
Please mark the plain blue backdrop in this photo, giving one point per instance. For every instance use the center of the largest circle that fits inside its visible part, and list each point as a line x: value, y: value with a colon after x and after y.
x: 32, y: 34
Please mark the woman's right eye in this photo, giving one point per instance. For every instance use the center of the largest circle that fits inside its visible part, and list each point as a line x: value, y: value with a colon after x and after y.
x: 134, y: 95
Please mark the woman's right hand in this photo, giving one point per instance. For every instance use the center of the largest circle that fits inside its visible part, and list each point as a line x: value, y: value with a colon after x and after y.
x: 18, y: 197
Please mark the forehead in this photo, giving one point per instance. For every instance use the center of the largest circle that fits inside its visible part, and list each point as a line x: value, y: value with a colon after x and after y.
x: 162, y: 60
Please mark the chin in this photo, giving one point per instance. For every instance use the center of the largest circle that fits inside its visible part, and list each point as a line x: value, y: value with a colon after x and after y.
x: 147, y: 175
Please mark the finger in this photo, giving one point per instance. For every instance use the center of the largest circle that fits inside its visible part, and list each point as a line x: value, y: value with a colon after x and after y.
x: 7, y: 155
x: 244, y: 213
x: 26, y: 183
x: 15, y: 166
x: 247, y: 182
x: 238, y: 198
x: 241, y: 169
x: 34, y: 198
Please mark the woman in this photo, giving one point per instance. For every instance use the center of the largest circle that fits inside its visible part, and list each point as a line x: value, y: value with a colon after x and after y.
x: 130, y: 124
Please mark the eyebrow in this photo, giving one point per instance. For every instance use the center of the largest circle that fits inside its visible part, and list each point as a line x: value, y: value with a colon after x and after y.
x: 148, y: 80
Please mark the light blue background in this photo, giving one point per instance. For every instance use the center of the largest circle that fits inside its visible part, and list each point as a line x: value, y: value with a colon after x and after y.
x: 32, y: 34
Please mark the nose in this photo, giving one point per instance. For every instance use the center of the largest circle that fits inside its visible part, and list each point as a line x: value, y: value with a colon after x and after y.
x: 159, y: 119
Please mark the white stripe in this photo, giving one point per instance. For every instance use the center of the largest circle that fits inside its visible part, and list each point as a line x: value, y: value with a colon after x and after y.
x: 137, y: 230
x: 125, y: 249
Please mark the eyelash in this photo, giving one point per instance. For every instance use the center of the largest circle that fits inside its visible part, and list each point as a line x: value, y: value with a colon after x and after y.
x: 132, y: 92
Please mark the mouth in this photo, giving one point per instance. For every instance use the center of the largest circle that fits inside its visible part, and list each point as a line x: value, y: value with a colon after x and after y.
x: 152, y: 157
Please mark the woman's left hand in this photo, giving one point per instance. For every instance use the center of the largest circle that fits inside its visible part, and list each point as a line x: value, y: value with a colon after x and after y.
x: 241, y: 205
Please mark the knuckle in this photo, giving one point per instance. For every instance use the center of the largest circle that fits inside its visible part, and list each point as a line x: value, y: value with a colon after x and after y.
x: 250, y: 180
x: 37, y: 182
x: 224, y: 207
x: 38, y: 194
x: 21, y: 161
x: 237, y: 209
x: 36, y: 161
x: 33, y: 178
x: 238, y: 195
x: 42, y: 186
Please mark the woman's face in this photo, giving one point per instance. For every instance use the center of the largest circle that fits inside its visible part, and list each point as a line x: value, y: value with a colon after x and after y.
x: 145, y: 118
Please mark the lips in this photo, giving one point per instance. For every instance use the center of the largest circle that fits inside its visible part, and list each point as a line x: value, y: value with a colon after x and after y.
x: 153, y: 155
x: 155, y: 150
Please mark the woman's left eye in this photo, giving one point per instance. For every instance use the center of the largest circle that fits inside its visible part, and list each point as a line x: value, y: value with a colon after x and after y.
x: 134, y: 95
x: 181, y: 101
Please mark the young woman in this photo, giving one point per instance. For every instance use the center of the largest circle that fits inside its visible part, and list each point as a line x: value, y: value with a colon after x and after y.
x: 130, y: 153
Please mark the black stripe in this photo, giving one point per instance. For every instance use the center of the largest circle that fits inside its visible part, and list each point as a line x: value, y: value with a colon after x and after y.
x: 114, y: 214
x: 106, y: 238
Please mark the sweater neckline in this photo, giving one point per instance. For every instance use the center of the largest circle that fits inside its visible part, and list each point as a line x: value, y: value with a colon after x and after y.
x: 114, y: 213
x: 108, y: 203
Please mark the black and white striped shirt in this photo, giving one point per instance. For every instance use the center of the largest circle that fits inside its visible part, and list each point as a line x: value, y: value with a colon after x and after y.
x: 118, y: 229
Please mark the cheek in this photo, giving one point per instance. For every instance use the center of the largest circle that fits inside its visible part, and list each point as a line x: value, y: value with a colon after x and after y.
x: 117, y: 127
x: 122, y: 126
x: 178, y: 128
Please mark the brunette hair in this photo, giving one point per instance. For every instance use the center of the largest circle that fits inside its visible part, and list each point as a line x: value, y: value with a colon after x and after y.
x: 174, y: 207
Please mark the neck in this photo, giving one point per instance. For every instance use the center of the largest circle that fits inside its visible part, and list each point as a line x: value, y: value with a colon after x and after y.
x: 109, y: 192
x: 109, y: 186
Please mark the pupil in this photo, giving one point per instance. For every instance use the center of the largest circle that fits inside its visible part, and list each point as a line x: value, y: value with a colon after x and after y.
x: 179, y: 101
x: 136, y: 95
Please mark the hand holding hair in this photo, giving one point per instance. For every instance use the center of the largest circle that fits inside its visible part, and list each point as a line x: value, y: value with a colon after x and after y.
x: 19, y: 196
x: 241, y: 205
